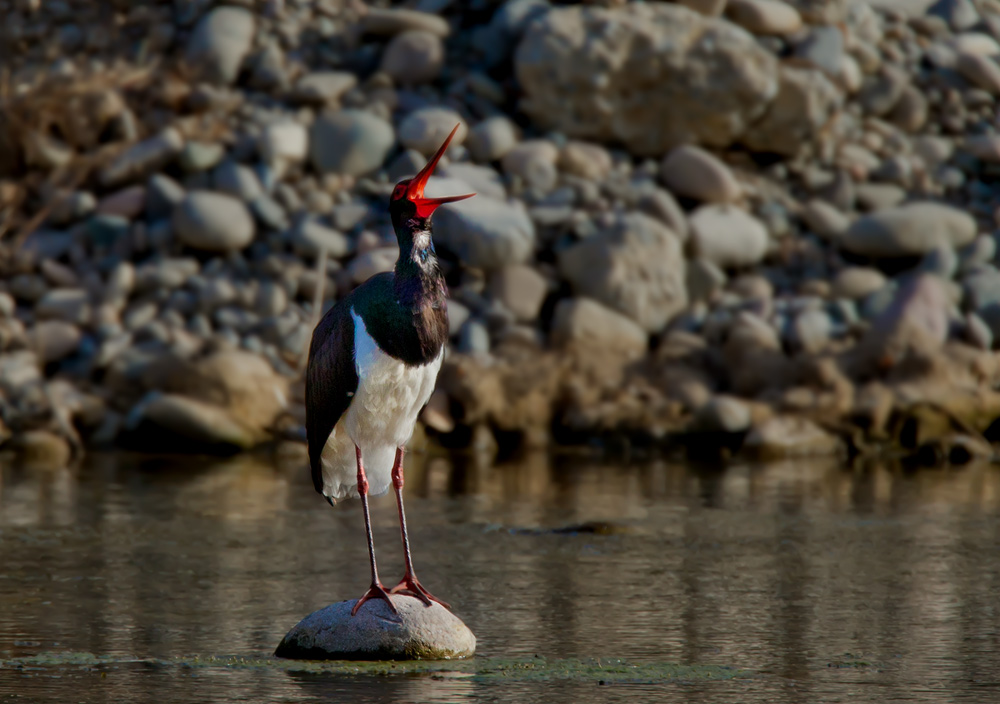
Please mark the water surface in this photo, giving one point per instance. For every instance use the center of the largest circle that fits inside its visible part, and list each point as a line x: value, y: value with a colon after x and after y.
x: 809, y: 581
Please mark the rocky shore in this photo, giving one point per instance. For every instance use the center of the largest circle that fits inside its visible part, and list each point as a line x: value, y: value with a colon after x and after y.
x: 731, y: 226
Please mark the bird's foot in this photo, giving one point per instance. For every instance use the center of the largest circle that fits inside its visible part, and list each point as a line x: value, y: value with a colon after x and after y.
x: 375, y: 591
x: 411, y: 585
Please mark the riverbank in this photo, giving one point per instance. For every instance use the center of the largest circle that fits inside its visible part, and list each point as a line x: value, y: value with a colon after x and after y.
x: 737, y: 227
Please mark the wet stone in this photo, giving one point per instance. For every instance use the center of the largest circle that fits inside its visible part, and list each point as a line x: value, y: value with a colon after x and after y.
x: 418, y: 632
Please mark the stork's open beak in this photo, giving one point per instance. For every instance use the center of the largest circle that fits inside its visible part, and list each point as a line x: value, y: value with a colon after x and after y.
x: 415, y: 191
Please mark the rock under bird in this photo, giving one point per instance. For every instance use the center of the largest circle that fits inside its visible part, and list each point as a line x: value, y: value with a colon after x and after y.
x: 373, y: 363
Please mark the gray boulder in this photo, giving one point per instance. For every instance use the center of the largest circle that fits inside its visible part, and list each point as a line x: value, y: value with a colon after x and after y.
x: 486, y: 233
x: 418, y: 632
x: 649, y: 75
x: 582, y: 322
x: 635, y: 266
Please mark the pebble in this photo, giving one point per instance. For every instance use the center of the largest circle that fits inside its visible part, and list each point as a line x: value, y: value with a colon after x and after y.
x: 811, y: 330
x: 703, y: 279
x: 412, y: 57
x: 909, y: 230
x: 764, y: 17
x: 586, y: 160
x: 693, y: 172
x: 126, y: 203
x: 374, y: 261
x: 309, y: 237
x: 491, y: 139
x: 823, y: 48
x: 237, y: 180
x: 323, y: 87
x: 824, y: 219
x: 723, y: 414
x: 982, y: 71
x: 534, y: 163
x: 426, y: 129
x: 351, y: 142
x: 521, y: 289
x: 219, y: 43
x: 283, y: 141
x: 857, y: 282
x: 143, y: 158
x: 213, y: 222
x: 53, y: 340
x: 727, y: 236
x: 69, y: 304
x: 387, y: 22
x: 941, y: 261
x: 474, y: 338
x: 661, y: 205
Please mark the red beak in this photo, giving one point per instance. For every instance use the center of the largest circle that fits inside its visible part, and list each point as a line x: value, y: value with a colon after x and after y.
x: 415, y: 191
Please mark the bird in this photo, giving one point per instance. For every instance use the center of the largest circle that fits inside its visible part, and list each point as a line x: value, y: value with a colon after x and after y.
x: 373, y: 363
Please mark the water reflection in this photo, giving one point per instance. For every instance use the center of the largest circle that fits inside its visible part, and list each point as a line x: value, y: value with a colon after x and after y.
x: 890, y: 576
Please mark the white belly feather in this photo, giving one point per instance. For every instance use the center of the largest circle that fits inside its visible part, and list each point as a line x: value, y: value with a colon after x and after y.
x: 380, y: 418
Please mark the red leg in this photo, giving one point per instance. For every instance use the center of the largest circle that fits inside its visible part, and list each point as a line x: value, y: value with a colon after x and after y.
x: 376, y: 590
x: 409, y: 584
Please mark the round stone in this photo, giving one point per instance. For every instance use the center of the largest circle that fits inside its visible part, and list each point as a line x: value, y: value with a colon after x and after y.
x: 351, y: 142
x: 768, y: 17
x: 909, y: 230
x: 213, y: 222
x: 219, y: 43
x: 492, y: 138
x: 693, y: 172
x: 728, y: 236
x: 426, y: 129
x: 416, y: 632
x: 415, y: 56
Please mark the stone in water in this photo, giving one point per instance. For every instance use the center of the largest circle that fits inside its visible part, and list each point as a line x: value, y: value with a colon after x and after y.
x: 419, y: 632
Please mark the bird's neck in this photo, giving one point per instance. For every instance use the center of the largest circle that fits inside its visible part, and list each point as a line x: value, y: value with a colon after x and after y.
x: 417, y: 281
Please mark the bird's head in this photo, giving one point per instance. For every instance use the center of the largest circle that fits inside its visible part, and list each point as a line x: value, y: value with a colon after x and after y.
x: 408, y: 202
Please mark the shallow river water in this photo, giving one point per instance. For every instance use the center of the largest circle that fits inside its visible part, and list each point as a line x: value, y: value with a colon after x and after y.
x: 173, y: 579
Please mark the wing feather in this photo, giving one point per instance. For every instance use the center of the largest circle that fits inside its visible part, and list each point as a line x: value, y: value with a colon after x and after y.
x: 331, y: 381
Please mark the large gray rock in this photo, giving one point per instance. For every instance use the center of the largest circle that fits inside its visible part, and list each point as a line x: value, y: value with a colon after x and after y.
x: 486, y: 233
x: 582, y: 322
x: 194, y: 421
x: 635, y: 266
x: 351, y: 142
x: 651, y: 76
x: 418, y: 632
x: 909, y: 230
x: 213, y: 222
x: 219, y: 44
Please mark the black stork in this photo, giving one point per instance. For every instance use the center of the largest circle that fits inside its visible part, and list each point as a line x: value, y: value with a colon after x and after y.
x: 373, y: 363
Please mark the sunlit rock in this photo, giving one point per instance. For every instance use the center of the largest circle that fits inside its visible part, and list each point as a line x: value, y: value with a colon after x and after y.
x: 418, y: 632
